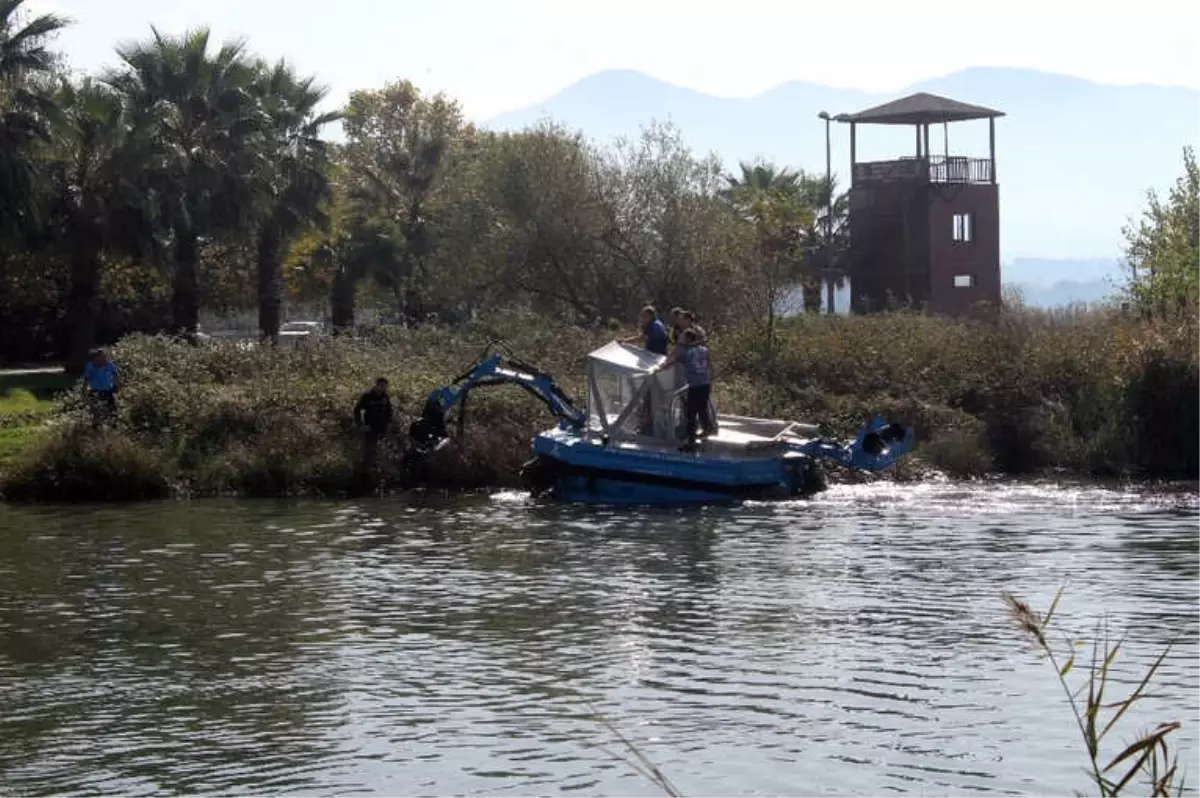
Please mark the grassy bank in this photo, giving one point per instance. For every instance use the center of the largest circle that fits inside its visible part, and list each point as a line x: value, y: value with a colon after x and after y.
x: 26, y: 404
x: 1086, y: 392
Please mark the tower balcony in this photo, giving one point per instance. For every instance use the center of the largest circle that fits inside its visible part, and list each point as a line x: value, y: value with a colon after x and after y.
x: 925, y: 169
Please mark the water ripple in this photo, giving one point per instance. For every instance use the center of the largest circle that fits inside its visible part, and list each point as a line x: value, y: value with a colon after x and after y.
x: 852, y: 644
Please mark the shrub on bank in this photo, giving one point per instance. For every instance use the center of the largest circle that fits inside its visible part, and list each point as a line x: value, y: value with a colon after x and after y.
x: 74, y: 463
x: 1091, y: 392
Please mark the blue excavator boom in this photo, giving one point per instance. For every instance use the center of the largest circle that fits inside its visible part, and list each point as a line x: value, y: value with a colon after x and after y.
x: 494, y: 369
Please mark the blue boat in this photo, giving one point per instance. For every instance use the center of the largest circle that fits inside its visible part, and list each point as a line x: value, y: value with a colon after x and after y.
x: 627, y: 445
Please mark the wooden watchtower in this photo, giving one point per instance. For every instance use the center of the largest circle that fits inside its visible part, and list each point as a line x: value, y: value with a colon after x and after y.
x: 925, y: 228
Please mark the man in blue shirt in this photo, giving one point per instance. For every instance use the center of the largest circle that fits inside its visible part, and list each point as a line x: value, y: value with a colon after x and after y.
x: 653, y: 336
x: 103, y: 381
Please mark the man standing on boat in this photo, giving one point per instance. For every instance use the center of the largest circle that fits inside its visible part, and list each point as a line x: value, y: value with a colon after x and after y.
x: 687, y: 322
x: 692, y: 352
x: 653, y: 336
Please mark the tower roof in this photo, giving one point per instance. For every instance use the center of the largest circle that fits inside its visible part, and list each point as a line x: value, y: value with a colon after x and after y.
x: 919, y: 109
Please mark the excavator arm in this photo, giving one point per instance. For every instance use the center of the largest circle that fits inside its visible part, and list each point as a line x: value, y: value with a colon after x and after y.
x: 429, y: 431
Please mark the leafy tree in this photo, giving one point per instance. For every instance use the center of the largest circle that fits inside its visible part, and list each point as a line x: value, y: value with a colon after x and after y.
x: 200, y: 132
x: 826, y: 237
x: 295, y: 184
x: 1163, y: 248
x: 543, y: 186
x: 657, y: 193
x: 823, y: 240
x: 779, y: 209
x: 398, y: 148
x: 34, y: 283
x: 590, y: 236
x: 26, y: 110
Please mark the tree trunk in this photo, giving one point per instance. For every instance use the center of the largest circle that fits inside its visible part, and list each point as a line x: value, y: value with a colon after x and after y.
x: 270, y: 282
x: 83, y: 302
x: 811, y: 291
x: 185, y: 297
x: 342, y: 301
x: 829, y: 296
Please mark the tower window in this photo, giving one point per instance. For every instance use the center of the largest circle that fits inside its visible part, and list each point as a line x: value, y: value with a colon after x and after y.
x: 962, y: 228
x: 964, y: 281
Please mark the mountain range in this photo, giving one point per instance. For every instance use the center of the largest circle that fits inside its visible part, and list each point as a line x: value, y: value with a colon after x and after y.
x: 1074, y: 158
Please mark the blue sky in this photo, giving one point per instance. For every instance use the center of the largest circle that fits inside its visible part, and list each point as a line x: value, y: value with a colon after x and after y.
x: 505, y: 54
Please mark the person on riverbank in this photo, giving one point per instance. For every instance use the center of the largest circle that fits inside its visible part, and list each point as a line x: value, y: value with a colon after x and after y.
x: 373, y: 413
x: 693, y: 353
x: 102, y: 380
x: 653, y: 335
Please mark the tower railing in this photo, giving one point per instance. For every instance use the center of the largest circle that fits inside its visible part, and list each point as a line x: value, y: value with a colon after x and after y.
x: 932, y: 169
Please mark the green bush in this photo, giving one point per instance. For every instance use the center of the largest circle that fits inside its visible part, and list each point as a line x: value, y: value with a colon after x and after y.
x: 79, y: 464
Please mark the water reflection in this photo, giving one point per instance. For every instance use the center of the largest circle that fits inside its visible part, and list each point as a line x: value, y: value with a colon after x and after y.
x: 853, y: 644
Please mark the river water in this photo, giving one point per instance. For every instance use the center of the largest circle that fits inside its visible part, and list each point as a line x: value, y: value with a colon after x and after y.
x: 855, y: 644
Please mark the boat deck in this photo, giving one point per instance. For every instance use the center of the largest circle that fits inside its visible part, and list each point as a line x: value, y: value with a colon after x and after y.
x: 737, y: 436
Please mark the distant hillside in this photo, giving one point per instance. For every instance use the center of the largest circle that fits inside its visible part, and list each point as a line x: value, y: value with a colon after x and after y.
x: 1048, y: 283
x: 1074, y: 158
x: 1048, y: 271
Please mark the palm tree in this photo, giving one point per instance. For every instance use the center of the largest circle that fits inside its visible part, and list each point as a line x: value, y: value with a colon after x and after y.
x: 773, y: 201
x: 96, y: 207
x: 26, y: 109
x: 824, y: 249
x: 762, y: 177
x: 399, y: 146
x: 399, y: 187
x: 368, y: 247
x: 298, y: 187
x: 202, y: 131
x: 827, y: 238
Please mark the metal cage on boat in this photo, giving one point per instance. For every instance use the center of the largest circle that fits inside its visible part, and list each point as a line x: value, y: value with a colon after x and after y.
x: 628, y: 399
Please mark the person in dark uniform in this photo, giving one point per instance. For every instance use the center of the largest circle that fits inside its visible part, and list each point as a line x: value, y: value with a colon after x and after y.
x: 373, y: 414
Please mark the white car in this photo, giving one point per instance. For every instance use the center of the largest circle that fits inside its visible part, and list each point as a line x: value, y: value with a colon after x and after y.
x: 300, y: 332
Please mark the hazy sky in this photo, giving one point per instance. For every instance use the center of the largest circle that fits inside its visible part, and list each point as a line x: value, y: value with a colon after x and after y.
x: 504, y: 54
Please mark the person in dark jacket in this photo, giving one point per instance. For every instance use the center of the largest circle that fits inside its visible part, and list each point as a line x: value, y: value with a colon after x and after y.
x: 374, y: 414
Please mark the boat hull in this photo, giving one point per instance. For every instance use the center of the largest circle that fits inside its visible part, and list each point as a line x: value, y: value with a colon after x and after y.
x: 569, y: 468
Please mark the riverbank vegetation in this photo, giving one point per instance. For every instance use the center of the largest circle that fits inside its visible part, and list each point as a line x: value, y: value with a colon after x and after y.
x: 26, y: 405
x: 1094, y: 392
x: 194, y: 177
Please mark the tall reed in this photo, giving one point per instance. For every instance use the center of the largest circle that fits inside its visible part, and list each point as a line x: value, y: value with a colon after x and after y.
x: 1149, y: 755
